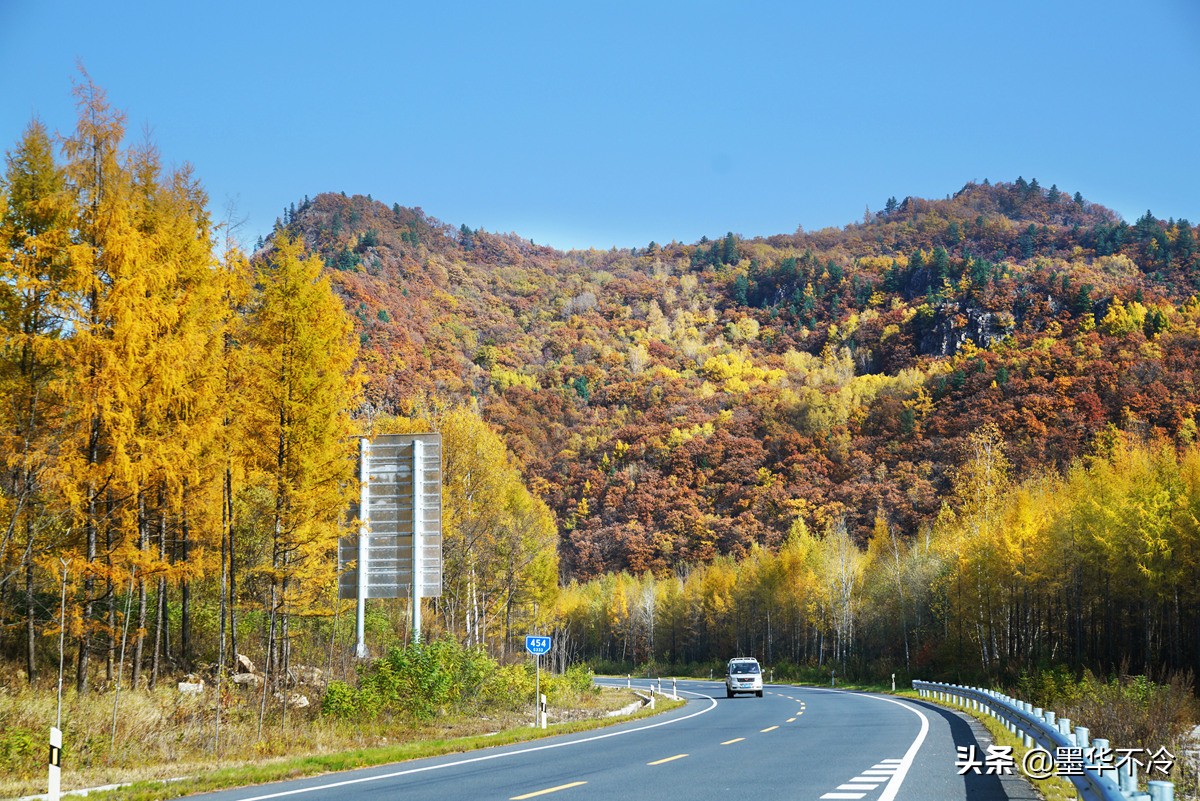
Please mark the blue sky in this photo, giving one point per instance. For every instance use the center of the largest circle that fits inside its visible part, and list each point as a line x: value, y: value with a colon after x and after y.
x: 618, y: 123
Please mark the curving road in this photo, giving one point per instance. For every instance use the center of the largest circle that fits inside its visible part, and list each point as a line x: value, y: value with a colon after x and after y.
x: 794, y: 743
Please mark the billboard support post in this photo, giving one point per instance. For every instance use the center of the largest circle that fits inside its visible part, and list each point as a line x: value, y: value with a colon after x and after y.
x: 418, y: 520
x: 360, y: 650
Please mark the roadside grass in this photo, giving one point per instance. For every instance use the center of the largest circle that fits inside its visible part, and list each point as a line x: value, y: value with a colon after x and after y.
x: 300, y: 767
x: 162, y: 736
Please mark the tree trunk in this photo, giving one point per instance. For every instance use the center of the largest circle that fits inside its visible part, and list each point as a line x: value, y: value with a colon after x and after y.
x: 30, y: 609
x: 89, y: 586
x: 110, y: 596
x: 160, y: 626
x: 233, y: 640
x: 185, y: 626
x: 268, y: 674
x: 135, y: 676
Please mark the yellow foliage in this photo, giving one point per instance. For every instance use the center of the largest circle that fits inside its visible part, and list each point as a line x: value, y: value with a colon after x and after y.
x: 504, y: 379
x: 738, y: 373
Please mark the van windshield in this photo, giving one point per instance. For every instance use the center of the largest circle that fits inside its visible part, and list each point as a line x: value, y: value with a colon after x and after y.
x: 743, y: 667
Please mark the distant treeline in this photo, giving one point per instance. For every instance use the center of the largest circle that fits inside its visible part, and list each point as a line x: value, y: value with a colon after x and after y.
x: 1097, y: 568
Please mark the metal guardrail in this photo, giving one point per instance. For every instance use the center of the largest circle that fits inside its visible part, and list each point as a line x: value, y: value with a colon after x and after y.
x: 1044, y: 728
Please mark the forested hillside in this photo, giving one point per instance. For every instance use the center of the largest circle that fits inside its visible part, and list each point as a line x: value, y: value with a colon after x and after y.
x: 680, y: 401
x: 956, y: 437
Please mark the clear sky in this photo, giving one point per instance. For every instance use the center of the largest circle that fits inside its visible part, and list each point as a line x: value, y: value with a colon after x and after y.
x: 582, y: 124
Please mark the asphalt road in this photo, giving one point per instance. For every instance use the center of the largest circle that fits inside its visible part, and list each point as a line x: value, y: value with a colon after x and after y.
x: 793, y: 743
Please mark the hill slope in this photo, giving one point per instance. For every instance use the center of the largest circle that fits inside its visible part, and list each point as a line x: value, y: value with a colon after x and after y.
x: 679, y: 401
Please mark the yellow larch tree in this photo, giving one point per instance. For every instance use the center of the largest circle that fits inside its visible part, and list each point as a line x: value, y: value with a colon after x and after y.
x: 35, y: 216
x: 298, y: 433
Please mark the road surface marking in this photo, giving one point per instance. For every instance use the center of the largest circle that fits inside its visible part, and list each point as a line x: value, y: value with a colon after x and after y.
x: 791, y: 720
x: 903, y: 764
x: 844, y: 795
x: 546, y: 791
x: 734, y: 740
x: 857, y: 785
x: 668, y: 759
x: 879, y: 772
x: 769, y: 728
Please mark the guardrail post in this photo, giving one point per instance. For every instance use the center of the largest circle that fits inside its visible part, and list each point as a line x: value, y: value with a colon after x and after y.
x: 1100, y: 754
x: 629, y: 681
x: 1049, y: 715
x: 1127, y: 777
x: 673, y: 692
x: 1081, y: 736
x: 1161, y: 791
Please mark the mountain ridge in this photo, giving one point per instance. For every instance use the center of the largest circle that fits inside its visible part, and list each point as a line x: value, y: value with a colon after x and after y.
x: 681, y: 401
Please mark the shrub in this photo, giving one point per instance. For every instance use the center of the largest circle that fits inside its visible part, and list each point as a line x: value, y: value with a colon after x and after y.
x: 1134, y: 712
x: 510, y: 686
x: 18, y: 751
x: 421, y: 680
x: 340, y: 701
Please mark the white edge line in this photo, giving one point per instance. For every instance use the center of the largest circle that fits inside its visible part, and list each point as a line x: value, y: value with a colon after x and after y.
x: 487, y: 757
x: 893, y: 785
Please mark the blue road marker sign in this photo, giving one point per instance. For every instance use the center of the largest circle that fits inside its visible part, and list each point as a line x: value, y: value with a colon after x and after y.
x: 537, y: 645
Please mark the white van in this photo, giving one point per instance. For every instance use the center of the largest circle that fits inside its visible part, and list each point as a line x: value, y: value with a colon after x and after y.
x: 743, y: 675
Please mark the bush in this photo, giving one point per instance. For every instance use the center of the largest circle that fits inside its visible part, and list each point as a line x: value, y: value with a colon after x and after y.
x: 510, y: 687
x: 1134, y: 712
x: 340, y: 701
x: 1130, y: 711
x: 19, y: 749
x: 1050, y: 688
x: 421, y: 681
x: 565, y: 688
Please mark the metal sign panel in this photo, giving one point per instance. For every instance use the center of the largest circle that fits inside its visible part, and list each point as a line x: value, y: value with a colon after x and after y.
x: 401, y: 512
x: 537, y: 645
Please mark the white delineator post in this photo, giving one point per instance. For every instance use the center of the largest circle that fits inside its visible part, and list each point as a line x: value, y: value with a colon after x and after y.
x: 364, y: 481
x: 55, y: 763
x: 418, y: 525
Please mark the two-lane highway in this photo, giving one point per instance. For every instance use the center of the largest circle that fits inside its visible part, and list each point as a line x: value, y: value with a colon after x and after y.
x: 795, y: 743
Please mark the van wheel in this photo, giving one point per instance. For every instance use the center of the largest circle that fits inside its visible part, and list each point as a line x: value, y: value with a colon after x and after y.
x: 759, y: 693
x: 728, y: 693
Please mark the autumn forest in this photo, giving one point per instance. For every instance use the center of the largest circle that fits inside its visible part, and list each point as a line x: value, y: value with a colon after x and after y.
x: 956, y: 438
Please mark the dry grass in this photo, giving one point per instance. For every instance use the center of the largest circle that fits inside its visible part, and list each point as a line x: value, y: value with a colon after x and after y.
x: 162, y: 734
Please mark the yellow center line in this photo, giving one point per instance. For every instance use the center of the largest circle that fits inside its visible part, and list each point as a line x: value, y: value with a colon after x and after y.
x: 668, y: 759
x: 547, y: 790
x: 734, y: 740
x: 769, y: 728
